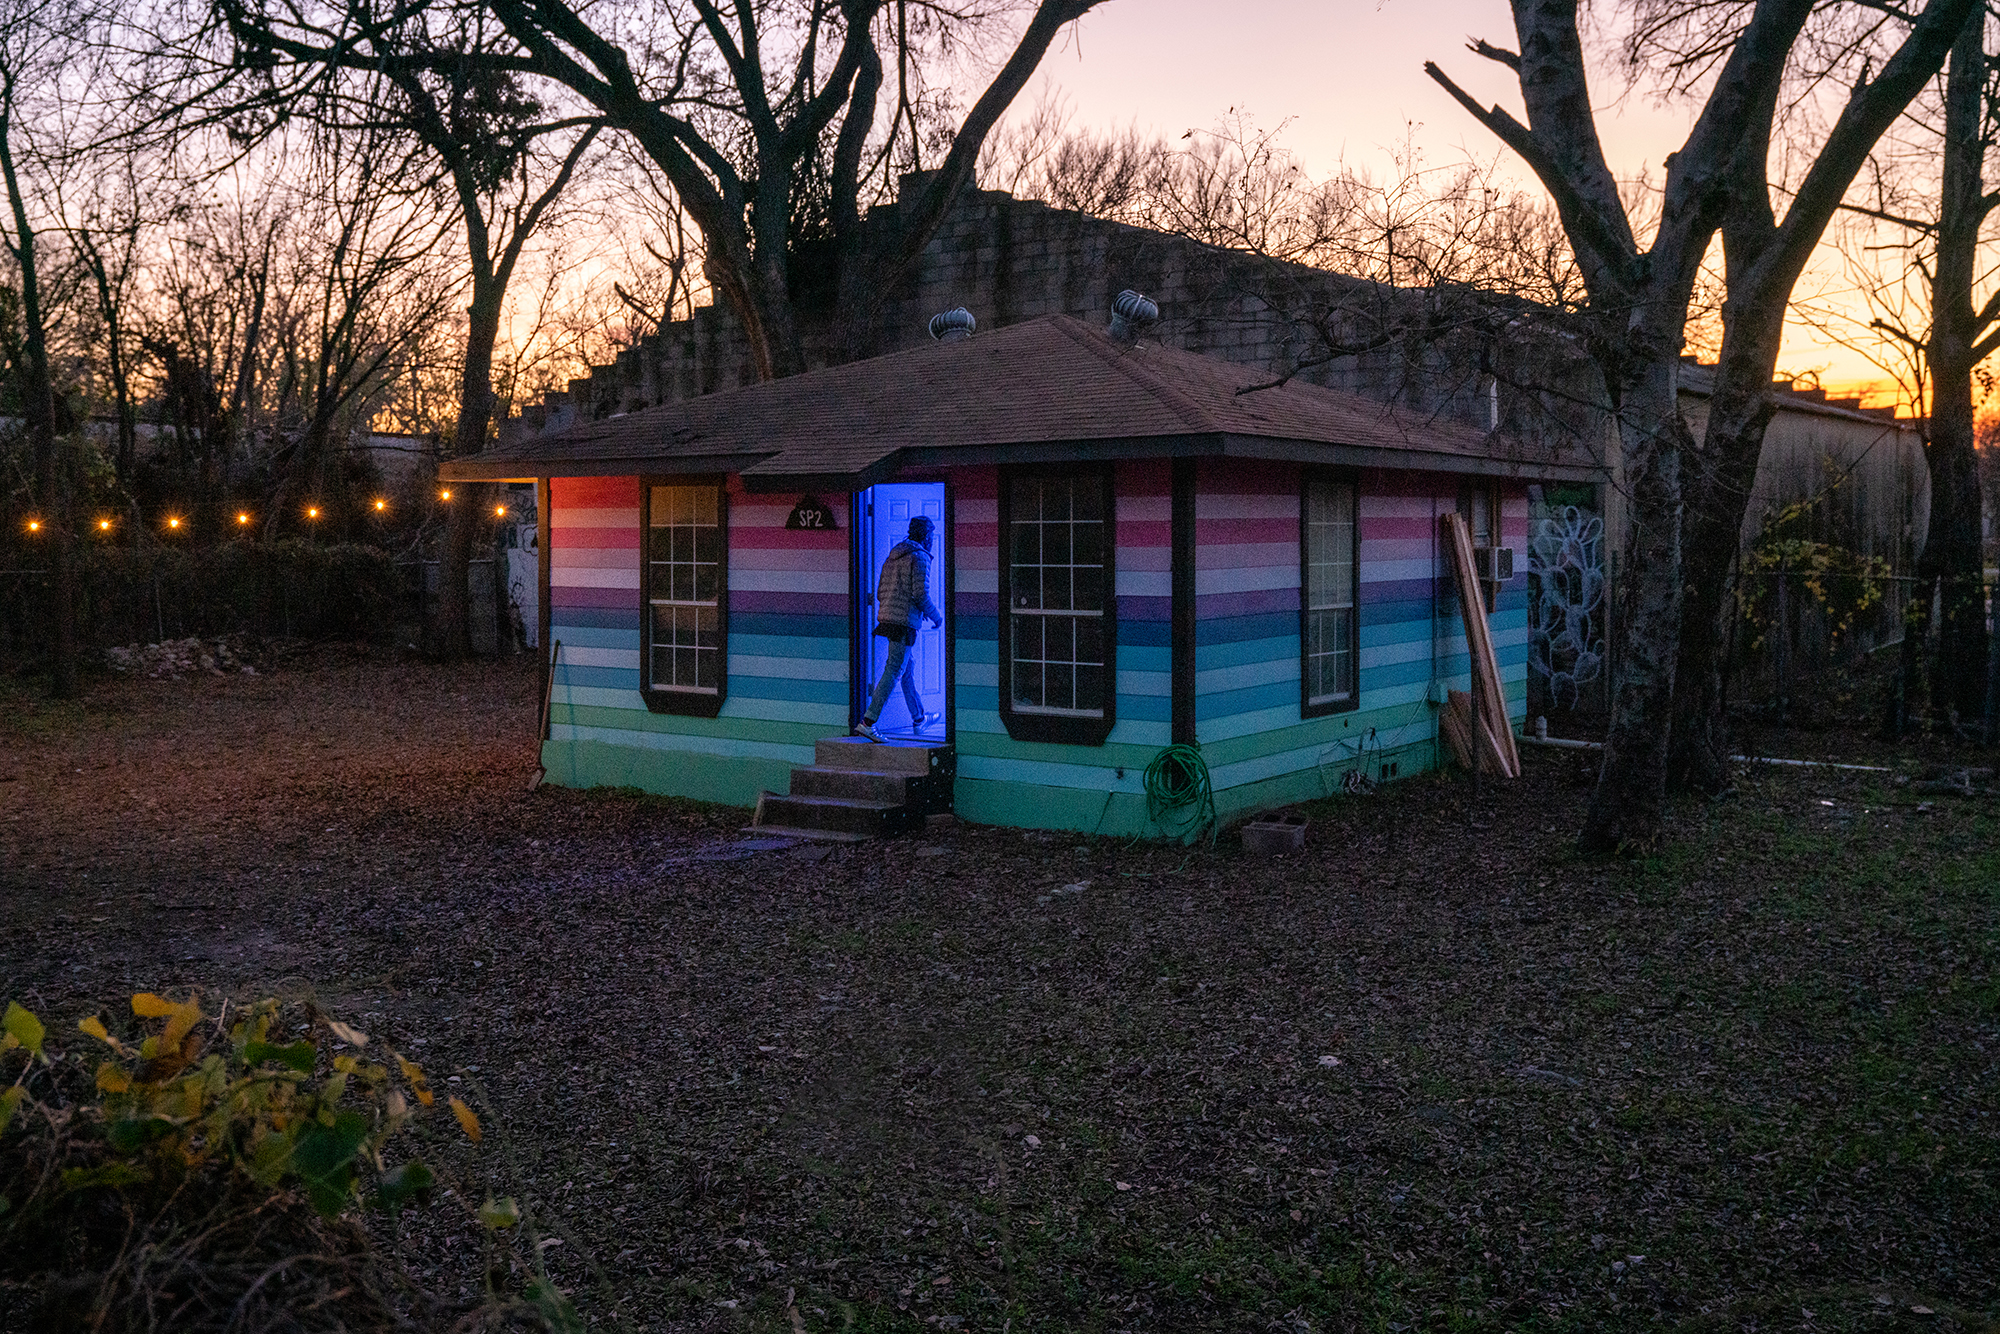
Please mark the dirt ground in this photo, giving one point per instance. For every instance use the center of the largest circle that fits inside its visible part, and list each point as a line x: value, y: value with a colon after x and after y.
x: 1434, y: 1073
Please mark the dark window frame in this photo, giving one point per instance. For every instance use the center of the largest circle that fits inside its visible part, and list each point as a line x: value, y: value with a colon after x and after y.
x: 687, y: 703
x: 1061, y: 729
x: 1308, y: 706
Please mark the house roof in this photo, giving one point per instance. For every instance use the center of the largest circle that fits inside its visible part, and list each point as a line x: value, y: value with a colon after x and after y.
x: 1048, y: 389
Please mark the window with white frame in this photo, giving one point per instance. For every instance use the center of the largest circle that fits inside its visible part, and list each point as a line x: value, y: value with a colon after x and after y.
x: 1059, y: 609
x: 686, y: 573
x: 1330, y: 626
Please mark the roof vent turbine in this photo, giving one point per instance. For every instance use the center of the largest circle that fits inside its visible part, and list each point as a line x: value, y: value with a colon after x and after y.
x: 1132, y: 312
x: 953, y: 324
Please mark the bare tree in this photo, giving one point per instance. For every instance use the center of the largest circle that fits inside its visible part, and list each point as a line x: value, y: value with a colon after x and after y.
x: 1717, y: 181
x: 31, y: 41
x: 506, y: 159
x: 1929, y: 196
x: 773, y: 163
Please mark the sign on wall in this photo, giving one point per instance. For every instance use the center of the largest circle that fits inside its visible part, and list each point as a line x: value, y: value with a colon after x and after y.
x: 812, y: 515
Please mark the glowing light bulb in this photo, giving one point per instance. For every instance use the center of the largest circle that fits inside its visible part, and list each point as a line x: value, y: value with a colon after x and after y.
x: 444, y: 495
x: 312, y: 511
x: 242, y: 518
x: 500, y: 510
x: 381, y: 504
x: 173, y: 523
x: 34, y: 525
x: 104, y: 525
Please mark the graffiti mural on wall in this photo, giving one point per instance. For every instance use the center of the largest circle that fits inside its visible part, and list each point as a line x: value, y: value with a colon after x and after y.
x: 1566, y: 611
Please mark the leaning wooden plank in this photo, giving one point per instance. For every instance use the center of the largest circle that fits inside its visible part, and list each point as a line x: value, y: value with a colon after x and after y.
x: 1487, y: 693
x: 1491, y: 758
x: 1454, y: 724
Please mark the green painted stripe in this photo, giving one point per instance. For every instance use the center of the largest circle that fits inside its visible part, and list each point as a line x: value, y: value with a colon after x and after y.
x: 1322, y: 760
x: 1316, y: 732
x: 1111, y: 755
x: 1031, y: 806
x: 675, y: 743
x: 732, y: 781
x: 1095, y: 777
x: 639, y: 720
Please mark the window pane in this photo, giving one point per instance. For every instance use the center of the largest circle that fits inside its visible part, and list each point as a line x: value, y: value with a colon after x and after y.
x: 1056, y: 555
x: 1089, y: 639
x: 1090, y: 688
x: 685, y: 552
x: 1327, y: 644
x: 1089, y: 586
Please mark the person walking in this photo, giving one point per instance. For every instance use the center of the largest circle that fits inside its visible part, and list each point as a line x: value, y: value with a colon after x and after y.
x: 902, y: 598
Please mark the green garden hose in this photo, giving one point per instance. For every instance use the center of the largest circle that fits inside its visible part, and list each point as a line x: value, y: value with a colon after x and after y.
x: 1178, y: 796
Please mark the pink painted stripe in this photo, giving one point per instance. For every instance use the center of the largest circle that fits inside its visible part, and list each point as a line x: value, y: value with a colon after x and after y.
x: 575, y: 539
x: 778, y: 539
x: 1235, y: 532
x: 1144, y: 533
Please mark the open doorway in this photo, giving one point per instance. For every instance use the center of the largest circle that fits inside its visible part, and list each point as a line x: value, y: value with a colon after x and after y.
x: 882, y: 517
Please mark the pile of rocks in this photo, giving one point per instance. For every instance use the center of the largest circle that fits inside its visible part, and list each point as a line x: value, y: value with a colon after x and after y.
x: 183, y: 657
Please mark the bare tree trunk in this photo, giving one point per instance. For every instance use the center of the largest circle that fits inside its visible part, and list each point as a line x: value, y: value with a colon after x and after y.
x: 1627, y: 808
x: 469, y: 500
x: 1951, y: 555
x: 1718, y: 493
x: 39, y: 410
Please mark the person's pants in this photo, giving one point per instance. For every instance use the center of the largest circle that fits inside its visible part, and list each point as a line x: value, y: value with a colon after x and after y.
x: 901, y: 665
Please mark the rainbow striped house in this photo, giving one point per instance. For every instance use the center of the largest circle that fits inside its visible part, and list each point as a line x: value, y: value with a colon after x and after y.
x: 1137, y: 546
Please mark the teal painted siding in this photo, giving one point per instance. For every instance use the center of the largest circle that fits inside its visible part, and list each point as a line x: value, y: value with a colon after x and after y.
x: 788, y: 649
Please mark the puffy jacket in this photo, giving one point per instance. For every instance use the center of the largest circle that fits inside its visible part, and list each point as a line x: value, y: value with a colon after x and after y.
x: 903, y: 593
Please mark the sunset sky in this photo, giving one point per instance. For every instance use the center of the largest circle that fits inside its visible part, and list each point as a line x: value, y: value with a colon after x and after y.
x: 1350, y: 79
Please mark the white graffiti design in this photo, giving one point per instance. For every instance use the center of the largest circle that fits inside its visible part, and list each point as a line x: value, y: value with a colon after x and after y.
x: 1566, y: 627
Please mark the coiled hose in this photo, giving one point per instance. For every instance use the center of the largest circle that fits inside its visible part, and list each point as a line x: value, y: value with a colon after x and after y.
x: 1178, y: 796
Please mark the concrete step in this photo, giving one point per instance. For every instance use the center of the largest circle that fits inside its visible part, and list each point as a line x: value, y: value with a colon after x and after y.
x: 898, y: 757
x: 857, y: 784
x: 812, y: 835
x: 847, y: 815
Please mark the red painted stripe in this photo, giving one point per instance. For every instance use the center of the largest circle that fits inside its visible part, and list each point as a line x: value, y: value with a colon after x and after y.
x: 1248, y: 477
x: 594, y: 492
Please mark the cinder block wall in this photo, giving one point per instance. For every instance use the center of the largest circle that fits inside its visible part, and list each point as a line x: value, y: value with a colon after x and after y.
x: 1009, y: 260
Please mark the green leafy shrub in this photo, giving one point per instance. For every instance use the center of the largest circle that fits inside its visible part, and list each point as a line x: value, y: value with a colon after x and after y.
x: 211, y: 1173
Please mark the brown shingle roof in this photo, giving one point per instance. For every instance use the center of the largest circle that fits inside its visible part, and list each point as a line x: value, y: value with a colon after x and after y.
x: 1050, y: 388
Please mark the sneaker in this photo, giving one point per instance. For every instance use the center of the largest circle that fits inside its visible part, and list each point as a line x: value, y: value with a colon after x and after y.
x: 926, y: 721
x: 867, y: 729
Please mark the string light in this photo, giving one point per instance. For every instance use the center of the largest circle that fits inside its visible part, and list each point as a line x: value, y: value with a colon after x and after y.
x: 242, y: 518
x: 104, y: 525
x: 381, y: 505
x: 444, y: 495
x: 500, y: 511
x: 312, y: 511
x: 34, y: 525
x: 173, y: 523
